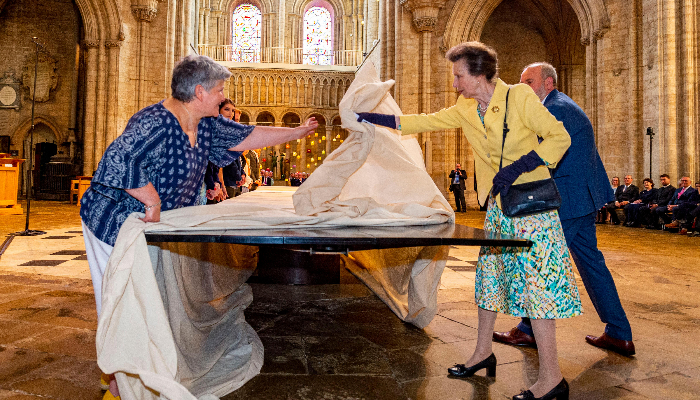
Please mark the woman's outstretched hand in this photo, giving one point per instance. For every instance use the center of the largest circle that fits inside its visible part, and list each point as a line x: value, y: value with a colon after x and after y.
x: 378, y: 119
x: 307, y: 128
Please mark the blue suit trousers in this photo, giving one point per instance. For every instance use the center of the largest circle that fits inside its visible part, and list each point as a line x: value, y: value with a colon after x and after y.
x: 581, y: 238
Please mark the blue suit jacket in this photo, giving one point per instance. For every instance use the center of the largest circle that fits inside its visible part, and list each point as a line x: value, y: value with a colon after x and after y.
x: 580, y: 175
x: 690, y: 195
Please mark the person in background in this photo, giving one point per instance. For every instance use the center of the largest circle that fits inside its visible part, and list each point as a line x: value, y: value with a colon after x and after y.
x: 646, y: 197
x: 664, y: 195
x: 458, y: 178
x: 603, y: 216
x: 624, y: 194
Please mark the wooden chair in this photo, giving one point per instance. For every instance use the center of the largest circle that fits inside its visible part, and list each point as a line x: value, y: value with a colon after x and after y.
x: 74, y: 185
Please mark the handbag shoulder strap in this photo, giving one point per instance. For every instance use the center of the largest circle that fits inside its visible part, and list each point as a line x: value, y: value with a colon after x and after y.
x: 505, y: 131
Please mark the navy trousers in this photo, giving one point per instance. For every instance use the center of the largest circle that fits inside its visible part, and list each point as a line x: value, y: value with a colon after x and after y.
x: 581, y: 238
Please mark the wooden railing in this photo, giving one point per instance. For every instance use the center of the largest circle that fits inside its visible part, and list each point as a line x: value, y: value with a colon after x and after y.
x: 280, y: 55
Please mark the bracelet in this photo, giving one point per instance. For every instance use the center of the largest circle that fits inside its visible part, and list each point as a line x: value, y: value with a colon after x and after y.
x: 146, y: 208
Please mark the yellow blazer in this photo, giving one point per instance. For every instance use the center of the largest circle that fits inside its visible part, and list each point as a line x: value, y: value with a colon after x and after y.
x: 528, y: 119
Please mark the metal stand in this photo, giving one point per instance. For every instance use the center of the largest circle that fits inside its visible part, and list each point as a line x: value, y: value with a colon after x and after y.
x: 30, y: 166
x: 650, y: 133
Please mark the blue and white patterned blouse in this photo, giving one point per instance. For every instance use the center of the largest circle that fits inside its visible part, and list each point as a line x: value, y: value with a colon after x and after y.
x: 154, y: 148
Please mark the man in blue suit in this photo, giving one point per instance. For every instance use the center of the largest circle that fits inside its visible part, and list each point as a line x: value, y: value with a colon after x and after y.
x: 584, y: 188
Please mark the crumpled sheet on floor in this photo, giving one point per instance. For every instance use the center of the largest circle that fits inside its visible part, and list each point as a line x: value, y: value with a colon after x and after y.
x: 172, y: 323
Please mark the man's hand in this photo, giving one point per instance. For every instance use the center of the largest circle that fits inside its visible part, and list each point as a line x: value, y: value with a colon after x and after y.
x: 653, y: 206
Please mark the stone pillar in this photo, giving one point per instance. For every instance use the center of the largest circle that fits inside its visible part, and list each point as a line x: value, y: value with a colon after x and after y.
x: 113, y: 47
x: 301, y: 166
x: 329, y: 139
x: 91, y: 49
x: 424, y: 20
x: 144, y: 14
x: 205, y: 38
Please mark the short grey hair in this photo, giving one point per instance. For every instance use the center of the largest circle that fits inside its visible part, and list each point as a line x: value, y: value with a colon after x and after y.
x: 547, y: 71
x: 196, y: 70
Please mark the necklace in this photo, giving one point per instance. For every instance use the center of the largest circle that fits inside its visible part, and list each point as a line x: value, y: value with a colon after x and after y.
x: 189, y: 116
x: 483, y: 109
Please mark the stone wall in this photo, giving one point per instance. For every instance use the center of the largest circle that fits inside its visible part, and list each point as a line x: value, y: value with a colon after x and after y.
x: 19, y: 22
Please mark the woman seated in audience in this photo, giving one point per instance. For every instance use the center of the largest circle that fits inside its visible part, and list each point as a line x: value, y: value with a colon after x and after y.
x: 647, y: 196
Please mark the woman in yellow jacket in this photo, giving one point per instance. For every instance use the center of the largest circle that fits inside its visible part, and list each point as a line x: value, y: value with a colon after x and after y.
x: 538, y: 282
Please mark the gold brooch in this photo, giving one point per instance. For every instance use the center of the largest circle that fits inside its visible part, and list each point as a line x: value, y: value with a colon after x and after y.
x: 495, y: 109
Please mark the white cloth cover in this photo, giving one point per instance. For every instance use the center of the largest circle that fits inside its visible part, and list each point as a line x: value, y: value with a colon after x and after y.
x: 172, y: 323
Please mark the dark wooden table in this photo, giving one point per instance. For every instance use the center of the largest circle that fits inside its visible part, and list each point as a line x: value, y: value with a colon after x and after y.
x: 312, y: 256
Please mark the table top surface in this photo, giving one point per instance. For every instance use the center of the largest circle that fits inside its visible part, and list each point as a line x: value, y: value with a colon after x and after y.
x: 347, y: 238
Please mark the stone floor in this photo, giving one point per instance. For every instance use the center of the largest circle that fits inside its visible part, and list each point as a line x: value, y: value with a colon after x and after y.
x: 341, y: 342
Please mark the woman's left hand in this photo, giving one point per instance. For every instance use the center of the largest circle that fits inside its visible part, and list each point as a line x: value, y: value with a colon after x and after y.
x: 307, y: 128
x: 510, y: 173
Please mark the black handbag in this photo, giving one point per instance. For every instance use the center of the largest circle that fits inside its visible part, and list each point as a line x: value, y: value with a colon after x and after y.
x: 527, y: 198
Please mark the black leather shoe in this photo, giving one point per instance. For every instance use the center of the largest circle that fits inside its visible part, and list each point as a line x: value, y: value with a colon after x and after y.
x: 560, y: 392
x: 460, y: 371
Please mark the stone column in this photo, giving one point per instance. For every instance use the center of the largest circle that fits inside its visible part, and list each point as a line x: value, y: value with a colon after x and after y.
x: 113, y: 47
x: 91, y: 48
x: 205, y: 38
x: 144, y: 14
x: 425, y: 14
x: 691, y: 134
x: 329, y: 139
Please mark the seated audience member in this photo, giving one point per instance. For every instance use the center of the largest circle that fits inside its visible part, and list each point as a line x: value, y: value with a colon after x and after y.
x: 304, y: 177
x: 694, y: 229
x: 624, y: 195
x: 645, y: 198
x: 647, y: 216
x: 687, y: 199
x: 683, y: 194
x: 603, y: 216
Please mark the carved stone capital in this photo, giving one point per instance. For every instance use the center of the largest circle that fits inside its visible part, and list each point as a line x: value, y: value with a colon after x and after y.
x: 425, y: 13
x: 144, y: 12
x: 112, y: 43
x: 585, y: 41
x: 91, y: 43
x: 599, y: 33
x: 424, y: 24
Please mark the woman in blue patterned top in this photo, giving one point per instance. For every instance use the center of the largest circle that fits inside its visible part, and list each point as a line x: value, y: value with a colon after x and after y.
x: 159, y: 161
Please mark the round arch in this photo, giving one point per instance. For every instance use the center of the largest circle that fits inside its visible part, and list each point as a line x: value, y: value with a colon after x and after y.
x: 466, y: 21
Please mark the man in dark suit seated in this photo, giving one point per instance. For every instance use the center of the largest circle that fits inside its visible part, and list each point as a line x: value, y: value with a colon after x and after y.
x: 647, y: 216
x: 624, y: 195
x: 584, y: 188
x: 684, y: 200
x: 457, y: 186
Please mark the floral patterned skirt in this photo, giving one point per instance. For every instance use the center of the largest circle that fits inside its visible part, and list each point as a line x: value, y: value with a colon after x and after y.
x: 537, y: 282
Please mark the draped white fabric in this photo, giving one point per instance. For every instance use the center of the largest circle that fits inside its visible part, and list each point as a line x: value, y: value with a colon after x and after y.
x: 172, y: 322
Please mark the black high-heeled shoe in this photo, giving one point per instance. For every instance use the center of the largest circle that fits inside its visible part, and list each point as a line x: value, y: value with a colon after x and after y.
x: 459, y: 370
x: 560, y: 392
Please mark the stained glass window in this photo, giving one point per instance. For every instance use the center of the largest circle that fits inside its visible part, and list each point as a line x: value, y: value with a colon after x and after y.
x: 247, y: 21
x: 318, y: 38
